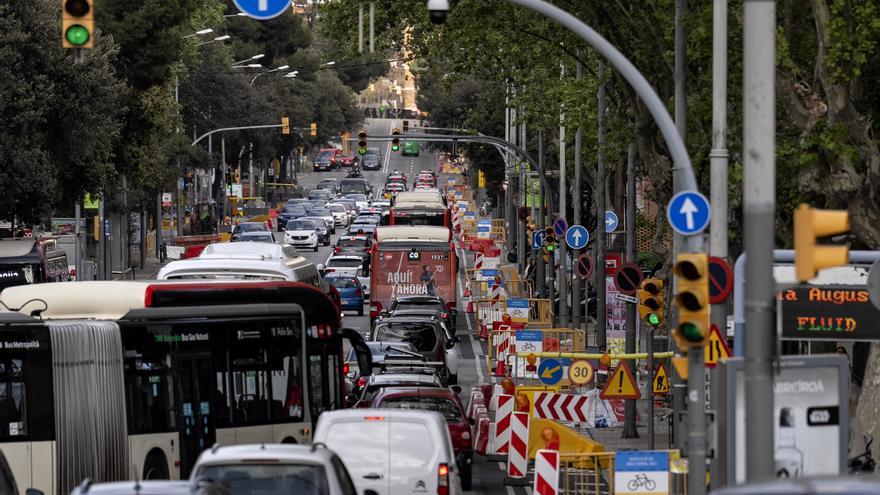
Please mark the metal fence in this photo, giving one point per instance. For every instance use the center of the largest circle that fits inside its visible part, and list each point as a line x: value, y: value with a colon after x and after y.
x: 593, y: 474
x: 503, y: 348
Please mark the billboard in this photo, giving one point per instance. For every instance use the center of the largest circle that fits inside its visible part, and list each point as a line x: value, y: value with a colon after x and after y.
x: 828, y: 312
x: 413, y: 273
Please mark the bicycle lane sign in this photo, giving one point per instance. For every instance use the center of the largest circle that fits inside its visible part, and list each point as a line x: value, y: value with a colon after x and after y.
x: 639, y: 472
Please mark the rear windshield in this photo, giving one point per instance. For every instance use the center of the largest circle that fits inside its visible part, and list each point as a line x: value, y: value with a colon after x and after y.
x: 320, y: 211
x: 346, y: 262
x: 337, y: 208
x: 418, y: 305
x: 265, y: 479
x: 357, y: 197
x: 444, y: 406
x: 344, y: 283
x: 352, y: 243
x: 423, y: 337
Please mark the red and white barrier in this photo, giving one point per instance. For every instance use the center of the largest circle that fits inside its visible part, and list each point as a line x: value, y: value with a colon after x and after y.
x: 546, y: 472
x: 478, y: 261
x: 518, y: 453
x: 481, y: 439
x: 562, y: 407
x: 504, y: 343
x: 476, y: 399
x: 503, y: 419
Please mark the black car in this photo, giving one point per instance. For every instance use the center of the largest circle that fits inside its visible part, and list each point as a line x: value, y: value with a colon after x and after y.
x: 427, y: 303
x: 321, y: 229
x: 371, y: 162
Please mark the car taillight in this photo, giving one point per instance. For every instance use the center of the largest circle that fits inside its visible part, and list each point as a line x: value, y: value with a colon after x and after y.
x: 450, y: 306
x: 375, y: 309
x: 361, y: 381
x: 329, y: 270
x: 443, y: 479
x: 337, y: 250
x: 444, y: 315
x: 346, y: 368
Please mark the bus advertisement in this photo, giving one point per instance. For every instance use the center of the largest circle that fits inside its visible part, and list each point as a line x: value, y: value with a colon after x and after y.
x: 412, y: 261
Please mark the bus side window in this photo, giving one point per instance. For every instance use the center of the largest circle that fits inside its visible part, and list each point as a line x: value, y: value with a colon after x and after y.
x: 250, y: 384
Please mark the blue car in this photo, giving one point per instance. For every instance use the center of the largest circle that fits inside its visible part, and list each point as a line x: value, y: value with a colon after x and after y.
x: 349, y: 291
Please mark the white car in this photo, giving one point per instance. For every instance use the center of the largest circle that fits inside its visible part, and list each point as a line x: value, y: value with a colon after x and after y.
x: 301, y: 233
x: 392, y: 451
x: 272, y: 468
x: 349, y: 265
x: 340, y: 214
x: 360, y: 200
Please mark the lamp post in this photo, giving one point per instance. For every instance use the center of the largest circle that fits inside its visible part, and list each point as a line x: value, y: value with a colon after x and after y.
x: 251, y: 59
x: 283, y: 67
x: 218, y: 38
x: 199, y: 33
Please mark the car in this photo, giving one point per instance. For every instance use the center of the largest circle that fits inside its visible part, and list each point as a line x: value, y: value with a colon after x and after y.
x: 436, y: 305
x: 428, y: 336
x: 361, y: 201
x: 301, y: 233
x: 347, y: 161
x: 392, y: 188
x: 290, y: 212
x: 826, y: 485
x: 350, y: 264
x: 367, y: 229
x: 381, y: 204
x: 391, y: 451
x: 272, y: 468
x: 147, y: 487
x: 448, y: 404
x: 352, y: 244
x: 331, y: 185
x: 350, y: 206
x: 340, y: 214
x: 367, y: 386
x: 371, y: 161
x: 378, y: 351
x: 322, y: 194
x: 326, y: 160
x: 350, y: 291
x: 322, y: 228
x: 355, y: 185
x: 256, y: 236
x: 327, y: 215
x: 247, y: 227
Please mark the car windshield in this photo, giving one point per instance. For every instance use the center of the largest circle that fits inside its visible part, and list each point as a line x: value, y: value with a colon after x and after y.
x: 294, y: 209
x: 421, y: 335
x: 319, y: 222
x: 258, y: 236
x: 337, y: 208
x: 321, y: 212
x: 300, y: 225
x: 345, y: 262
x: 442, y: 405
x: 344, y: 282
x: 325, y: 155
x: 249, y: 227
x: 357, y: 197
x: 265, y: 479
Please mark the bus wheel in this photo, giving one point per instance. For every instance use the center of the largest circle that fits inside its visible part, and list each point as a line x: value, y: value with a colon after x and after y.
x: 156, y: 467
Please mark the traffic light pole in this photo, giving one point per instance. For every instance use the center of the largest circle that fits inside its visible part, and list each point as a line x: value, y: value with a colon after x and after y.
x: 629, y: 415
x: 696, y: 421
x: 599, y: 194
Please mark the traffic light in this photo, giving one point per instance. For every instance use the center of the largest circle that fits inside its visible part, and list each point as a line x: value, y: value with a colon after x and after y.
x: 651, y: 305
x: 77, y: 24
x: 692, y: 299
x: 395, y: 140
x: 313, y: 129
x: 237, y: 178
x: 810, y: 224
x: 405, y: 126
x: 362, y: 142
x: 285, y: 125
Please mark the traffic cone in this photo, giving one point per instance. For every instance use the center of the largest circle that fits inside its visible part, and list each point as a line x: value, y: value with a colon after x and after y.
x: 484, y: 332
x: 501, y: 368
x: 467, y: 290
x: 470, y: 307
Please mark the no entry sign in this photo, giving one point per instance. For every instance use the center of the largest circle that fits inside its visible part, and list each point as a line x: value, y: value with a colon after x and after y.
x: 720, y: 280
x: 628, y: 278
x: 583, y: 266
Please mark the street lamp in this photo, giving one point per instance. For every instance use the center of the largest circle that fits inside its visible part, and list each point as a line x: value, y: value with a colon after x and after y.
x: 328, y: 64
x: 255, y: 57
x: 291, y: 75
x: 248, y: 66
x: 240, y: 14
x: 283, y: 67
x: 218, y: 38
x: 200, y: 33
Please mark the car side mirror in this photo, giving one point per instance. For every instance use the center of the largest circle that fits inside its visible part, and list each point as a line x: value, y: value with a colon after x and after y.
x: 456, y: 389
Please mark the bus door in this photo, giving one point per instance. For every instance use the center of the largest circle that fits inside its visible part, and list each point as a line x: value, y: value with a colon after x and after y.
x: 325, y: 377
x: 196, y: 388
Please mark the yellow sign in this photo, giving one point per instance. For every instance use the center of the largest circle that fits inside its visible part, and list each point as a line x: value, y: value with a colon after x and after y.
x: 580, y: 372
x: 481, y: 179
x: 621, y: 384
x: 660, y: 383
x: 90, y: 203
x: 716, y: 348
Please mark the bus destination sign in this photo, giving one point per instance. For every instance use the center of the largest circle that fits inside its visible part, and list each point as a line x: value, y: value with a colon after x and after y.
x: 828, y: 312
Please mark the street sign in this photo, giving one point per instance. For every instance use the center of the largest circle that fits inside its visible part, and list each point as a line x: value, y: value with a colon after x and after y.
x: 828, y: 312
x: 538, y: 237
x: 621, y: 384
x: 518, y: 309
x: 262, y: 9
x: 550, y: 371
x: 874, y: 284
x: 560, y: 226
x: 583, y: 266
x: 720, y: 280
x: 716, y: 348
x: 660, y: 382
x: 688, y: 212
x: 577, y: 237
x: 181, y: 184
x: 628, y: 278
x: 580, y: 372
x: 562, y: 407
x: 611, y: 221
x: 626, y: 298
x: 613, y: 261
x: 640, y: 471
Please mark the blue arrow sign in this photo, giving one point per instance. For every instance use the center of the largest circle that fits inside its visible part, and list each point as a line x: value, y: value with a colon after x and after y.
x: 688, y: 212
x: 538, y: 237
x: 181, y: 184
x: 611, y: 221
x: 262, y: 9
x: 577, y: 237
x: 560, y: 226
x: 550, y: 371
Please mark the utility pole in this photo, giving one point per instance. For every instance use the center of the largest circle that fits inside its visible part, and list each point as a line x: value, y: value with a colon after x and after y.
x: 759, y: 212
x: 540, y: 265
x: 599, y: 193
x: 223, y: 178
x: 522, y: 243
x: 629, y: 413
x: 372, y: 27
x: 718, y: 155
x: 577, y: 287
x: 361, y: 27
x: 563, y: 196
x: 508, y: 167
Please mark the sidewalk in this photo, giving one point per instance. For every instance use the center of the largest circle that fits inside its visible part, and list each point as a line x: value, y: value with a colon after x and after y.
x: 151, y: 268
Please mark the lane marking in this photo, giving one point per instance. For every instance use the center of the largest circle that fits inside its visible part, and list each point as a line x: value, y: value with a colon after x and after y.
x: 475, y: 342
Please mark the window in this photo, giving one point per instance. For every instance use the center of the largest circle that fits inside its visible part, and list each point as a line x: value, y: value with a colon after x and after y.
x: 13, y: 403
x: 287, y: 391
x: 148, y: 391
x: 266, y: 479
x: 446, y: 407
x: 344, y: 283
x: 345, y: 482
x: 316, y: 384
x: 250, y: 383
x: 423, y: 337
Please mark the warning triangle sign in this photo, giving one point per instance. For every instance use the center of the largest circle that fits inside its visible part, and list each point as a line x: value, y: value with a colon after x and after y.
x: 660, y: 382
x: 716, y: 348
x: 621, y: 384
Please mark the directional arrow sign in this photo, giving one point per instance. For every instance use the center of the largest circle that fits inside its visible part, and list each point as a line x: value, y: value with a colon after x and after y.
x: 688, y: 212
x: 561, y: 407
x: 550, y: 371
x: 538, y: 239
x: 262, y: 9
x: 577, y: 237
x: 611, y: 221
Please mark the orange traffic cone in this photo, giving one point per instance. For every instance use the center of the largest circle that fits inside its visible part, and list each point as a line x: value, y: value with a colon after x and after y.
x: 501, y: 368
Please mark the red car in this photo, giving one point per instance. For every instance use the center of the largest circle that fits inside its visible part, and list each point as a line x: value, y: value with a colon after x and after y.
x: 346, y: 161
x: 444, y: 401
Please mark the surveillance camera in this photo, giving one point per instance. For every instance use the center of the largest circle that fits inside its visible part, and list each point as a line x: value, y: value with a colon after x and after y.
x: 437, y: 10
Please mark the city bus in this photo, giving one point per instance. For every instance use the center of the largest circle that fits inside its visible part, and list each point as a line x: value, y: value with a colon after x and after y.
x: 410, y: 260
x: 424, y: 207
x: 132, y: 380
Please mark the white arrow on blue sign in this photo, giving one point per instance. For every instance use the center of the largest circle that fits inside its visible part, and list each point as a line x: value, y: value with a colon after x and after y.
x: 688, y: 212
x: 611, y: 221
x: 560, y: 226
x: 577, y: 237
x: 262, y: 9
x: 538, y: 239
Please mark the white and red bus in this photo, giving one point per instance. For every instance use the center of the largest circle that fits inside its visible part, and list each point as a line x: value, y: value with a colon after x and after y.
x: 421, y: 207
x: 133, y: 380
x: 412, y: 260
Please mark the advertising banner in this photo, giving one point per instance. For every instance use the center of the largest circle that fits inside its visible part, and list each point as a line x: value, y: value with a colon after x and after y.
x: 413, y: 273
x: 828, y: 312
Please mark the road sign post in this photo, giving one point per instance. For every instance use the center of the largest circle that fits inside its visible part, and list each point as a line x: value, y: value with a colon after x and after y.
x: 628, y: 278
x: 577, y: 237
x: 538, y: 237
x: 550, y: 371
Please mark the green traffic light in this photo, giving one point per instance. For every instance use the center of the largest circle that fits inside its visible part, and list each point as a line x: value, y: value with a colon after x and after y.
x: 362, y: 151
x: 395, y: 147
x: 77, y: 35
x: 653, y: 320
x: 550, y: 247
x: 691, y: 332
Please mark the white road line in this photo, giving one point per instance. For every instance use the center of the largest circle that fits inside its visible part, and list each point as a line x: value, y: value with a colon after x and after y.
x: 475, y: 343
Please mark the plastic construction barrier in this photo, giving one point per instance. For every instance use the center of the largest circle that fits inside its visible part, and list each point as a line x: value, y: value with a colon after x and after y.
x: 504, y: 353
